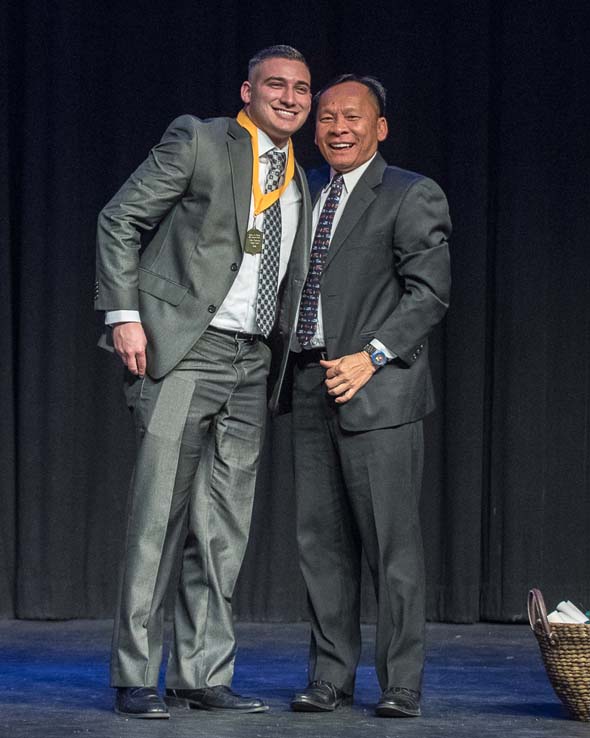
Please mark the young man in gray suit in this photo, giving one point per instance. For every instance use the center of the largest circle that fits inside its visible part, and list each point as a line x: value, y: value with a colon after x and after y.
x: 226, y: 212
x: 378, y: 283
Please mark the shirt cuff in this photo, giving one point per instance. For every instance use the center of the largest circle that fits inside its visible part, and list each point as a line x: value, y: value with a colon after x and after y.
x: 121, y: 316
x: 380, y: 347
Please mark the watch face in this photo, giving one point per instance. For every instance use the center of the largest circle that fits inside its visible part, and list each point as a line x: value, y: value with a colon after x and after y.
x: 378, y: 358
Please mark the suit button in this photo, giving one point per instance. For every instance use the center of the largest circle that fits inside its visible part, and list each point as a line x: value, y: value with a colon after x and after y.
x: 211, y: 308
x: 234, y: 267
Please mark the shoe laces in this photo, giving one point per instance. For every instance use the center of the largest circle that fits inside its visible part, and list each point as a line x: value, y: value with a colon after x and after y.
x: 403, y: 690
x: 323, y: 683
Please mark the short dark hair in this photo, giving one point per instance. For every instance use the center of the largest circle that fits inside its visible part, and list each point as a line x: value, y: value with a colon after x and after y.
x: 377, y: 90
x: 279, y: 51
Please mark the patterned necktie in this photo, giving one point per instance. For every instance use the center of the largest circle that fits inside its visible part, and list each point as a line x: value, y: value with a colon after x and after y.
x: 308, y: 308
x: 268, y: 276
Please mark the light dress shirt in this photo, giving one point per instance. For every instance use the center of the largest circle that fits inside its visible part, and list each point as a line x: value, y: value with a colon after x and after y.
x: 238, y: 311
x: 350, y: 182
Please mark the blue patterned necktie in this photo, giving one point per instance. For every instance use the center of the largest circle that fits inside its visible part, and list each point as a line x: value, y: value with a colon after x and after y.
x: 268, y: 276
x: 308, y: 308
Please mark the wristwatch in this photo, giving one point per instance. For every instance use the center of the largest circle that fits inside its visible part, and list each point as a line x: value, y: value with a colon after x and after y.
x: 378, y: 357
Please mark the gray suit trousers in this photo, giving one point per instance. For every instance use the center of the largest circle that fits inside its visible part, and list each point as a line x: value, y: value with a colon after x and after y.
x: 186, y: 503
x: 355, y: 492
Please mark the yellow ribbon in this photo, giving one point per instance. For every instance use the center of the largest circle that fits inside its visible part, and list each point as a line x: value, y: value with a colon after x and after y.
x: 263, y: 200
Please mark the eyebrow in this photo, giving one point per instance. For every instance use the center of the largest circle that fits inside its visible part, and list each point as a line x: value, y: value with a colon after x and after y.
x: 346, y: 111
x: 284, y: 79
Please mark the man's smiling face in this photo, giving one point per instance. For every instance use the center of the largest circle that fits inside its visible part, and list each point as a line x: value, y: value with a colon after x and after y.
x: 277, y: 98
x: 348, y: 126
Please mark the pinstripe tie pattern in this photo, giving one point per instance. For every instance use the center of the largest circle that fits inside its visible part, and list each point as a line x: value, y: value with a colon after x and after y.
x: 268, y: 275
x: 308, y: 308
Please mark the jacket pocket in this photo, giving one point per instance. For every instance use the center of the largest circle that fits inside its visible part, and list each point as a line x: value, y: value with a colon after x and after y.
x: 160, y: 287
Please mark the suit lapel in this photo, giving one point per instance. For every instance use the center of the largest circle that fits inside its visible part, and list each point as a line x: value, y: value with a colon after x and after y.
x: 301, y: 249
x: 240, y: 157
x: 360, y: 198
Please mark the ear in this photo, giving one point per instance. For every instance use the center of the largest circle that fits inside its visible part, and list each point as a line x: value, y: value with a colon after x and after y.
x: 246, y: 92
x: 382, y: 129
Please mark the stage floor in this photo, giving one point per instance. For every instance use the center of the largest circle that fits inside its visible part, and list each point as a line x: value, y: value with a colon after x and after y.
x: 480, y: 680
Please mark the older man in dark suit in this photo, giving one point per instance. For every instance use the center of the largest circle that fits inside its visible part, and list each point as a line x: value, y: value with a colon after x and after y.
x: 226, y: 212
x: 378, y: 283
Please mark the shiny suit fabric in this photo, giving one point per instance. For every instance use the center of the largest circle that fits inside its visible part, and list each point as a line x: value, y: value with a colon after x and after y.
x: 170, y: 244
x: 359, y: 465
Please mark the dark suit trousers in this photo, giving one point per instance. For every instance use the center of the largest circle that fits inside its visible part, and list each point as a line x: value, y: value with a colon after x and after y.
x: 358, y: 491
x: 200, y: 430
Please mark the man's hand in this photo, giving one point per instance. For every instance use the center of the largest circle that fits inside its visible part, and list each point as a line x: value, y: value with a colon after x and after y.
x: 345, y: 376
x: 130, y: 341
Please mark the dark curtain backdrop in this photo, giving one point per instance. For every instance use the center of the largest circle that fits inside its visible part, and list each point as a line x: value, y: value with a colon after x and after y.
x: 489, y: 97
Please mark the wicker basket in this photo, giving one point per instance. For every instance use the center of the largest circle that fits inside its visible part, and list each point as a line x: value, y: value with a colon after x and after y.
x: 565, y: 650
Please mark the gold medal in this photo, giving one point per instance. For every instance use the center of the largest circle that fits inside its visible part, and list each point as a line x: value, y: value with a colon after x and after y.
x: 263, y: 200
x: 253, y: 243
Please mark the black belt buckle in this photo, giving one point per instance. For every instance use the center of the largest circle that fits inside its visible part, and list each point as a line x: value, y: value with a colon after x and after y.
x: 307, y: 357
x: 247, y: 337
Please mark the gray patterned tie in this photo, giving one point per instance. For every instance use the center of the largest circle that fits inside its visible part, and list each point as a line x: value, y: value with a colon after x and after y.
x: 268, y: 275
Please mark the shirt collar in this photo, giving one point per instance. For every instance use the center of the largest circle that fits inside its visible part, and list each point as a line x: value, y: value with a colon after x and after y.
x: 351, y: 178
x: 265, y: 144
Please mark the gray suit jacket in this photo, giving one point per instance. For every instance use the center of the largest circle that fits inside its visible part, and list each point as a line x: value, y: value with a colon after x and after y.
x: 191, y: 199
x: 387, y: 276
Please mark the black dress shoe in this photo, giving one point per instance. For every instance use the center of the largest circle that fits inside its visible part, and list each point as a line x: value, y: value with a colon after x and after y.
x: 399, y: 702
x: 140, y: 702
x: 320, y: 696
x: 213, y: 698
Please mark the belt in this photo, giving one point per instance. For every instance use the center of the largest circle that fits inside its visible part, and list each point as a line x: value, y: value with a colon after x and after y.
x: 309, y: 356
x: 237, y: 335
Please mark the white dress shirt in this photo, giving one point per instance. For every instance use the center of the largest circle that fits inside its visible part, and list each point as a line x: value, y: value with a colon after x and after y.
x: 350, y: 181
x: 238, y: 311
